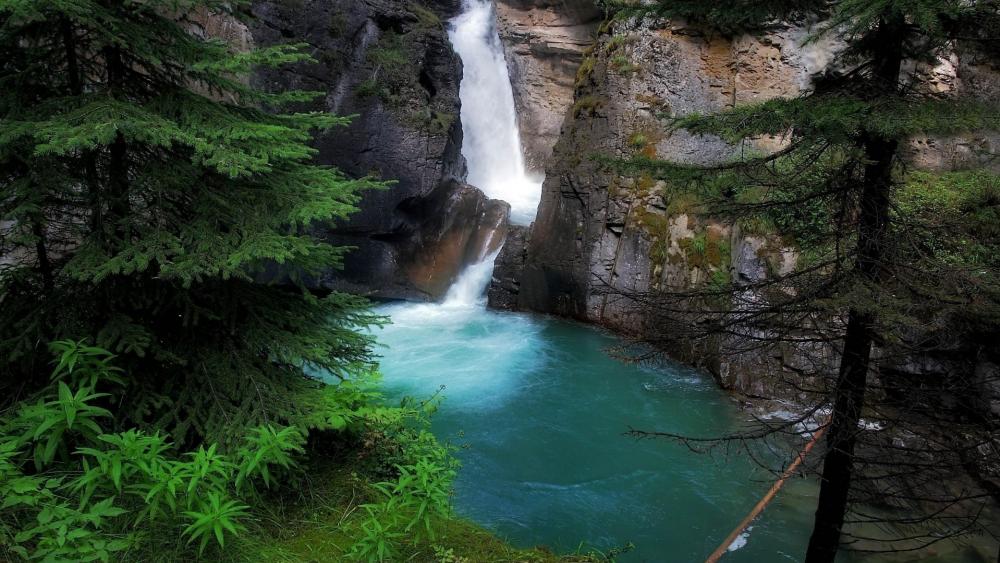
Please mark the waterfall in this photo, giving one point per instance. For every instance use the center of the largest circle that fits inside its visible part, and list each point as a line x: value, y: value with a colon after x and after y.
x: 467, y: 291
x: 492, y: 143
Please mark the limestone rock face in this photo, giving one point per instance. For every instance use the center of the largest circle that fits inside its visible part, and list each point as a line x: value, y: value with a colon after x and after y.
x: 389, y: 62
x: 972, y: 75
x: 597, y: 233
x: 544, y: 43
x: 599, y: 237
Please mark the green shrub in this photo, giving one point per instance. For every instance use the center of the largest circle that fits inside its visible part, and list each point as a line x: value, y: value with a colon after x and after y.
x: 587, y: 105
x: 74, y: 491
x: 585, y: 70
x: 622, y: 65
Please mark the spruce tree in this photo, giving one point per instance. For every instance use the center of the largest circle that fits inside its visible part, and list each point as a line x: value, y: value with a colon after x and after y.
x: 881, y: 266
x: 147, y: 191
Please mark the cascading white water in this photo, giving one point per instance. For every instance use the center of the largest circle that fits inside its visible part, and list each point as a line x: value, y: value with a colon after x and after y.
x: 459, y: 331
x: 467, y: 291
x: 492, y: 148
x: 492, y: 144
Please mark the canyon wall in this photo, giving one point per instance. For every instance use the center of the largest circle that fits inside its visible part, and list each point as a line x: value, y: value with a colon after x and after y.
x: 390, y: 63
x: 600, y: 237
x: 544, y: 43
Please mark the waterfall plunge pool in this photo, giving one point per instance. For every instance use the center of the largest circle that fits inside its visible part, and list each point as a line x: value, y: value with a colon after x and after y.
x: 539, y: 411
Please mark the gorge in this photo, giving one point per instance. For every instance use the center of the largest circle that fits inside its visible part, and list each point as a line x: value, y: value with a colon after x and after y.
x: 539, y: 408
x: 500, y: 281
x: 479, y: 139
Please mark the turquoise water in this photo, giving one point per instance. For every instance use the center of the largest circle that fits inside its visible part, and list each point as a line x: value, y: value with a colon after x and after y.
x: 539, y: 410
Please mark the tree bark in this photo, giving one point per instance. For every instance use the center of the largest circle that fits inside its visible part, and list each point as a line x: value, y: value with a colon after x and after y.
x: 118, y: 182
x: 75, y: 77
x: 872, y: 232
x: 42, y: 254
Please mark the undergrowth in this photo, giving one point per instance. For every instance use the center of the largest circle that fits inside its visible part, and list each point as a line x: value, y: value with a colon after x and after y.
x: 351, y: 481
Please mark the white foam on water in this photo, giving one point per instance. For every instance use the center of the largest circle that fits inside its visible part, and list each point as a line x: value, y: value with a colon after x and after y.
x: 480, y: 357
x: 492, y: 142
x: 741, y: 541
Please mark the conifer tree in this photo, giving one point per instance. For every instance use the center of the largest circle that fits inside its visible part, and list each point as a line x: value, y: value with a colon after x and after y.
x: 881, y: 266
x: 146, y: 188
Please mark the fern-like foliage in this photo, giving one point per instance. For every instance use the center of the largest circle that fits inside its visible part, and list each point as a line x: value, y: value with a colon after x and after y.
x: 147, y: 188
x: 73, y: 490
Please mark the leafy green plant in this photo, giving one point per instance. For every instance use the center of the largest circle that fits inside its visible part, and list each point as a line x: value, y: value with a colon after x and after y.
x: 120, y: 458
x: 79, y: 363
x: 267, y: 448
x: 216, y: 516
x: 66, y: 533
x: 50, y: 421
x: 422, y: 491
x: 380, y: 534
x: 86, y: 502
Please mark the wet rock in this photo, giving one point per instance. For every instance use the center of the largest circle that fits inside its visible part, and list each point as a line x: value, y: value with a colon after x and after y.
x: 406, y: 130
x: 508, y: 267
x: 456, y: 226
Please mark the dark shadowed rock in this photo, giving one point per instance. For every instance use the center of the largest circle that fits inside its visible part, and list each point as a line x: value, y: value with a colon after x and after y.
x: 508, y: 267
x: 389, y: 63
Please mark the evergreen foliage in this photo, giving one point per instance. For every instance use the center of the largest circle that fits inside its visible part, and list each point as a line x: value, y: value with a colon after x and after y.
x: 147, y: 192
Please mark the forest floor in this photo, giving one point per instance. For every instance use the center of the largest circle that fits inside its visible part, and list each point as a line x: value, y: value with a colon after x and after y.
x: 323, y: 521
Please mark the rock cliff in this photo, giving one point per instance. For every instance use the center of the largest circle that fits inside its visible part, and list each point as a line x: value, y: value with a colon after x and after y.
x: 596, y: 229
x: 390, y: 63
x: 599, y: 235
x: 544, y: 43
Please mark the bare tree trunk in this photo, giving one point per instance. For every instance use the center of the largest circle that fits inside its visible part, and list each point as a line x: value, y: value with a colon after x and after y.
x: 75, y: 76
x: 839, y: 461
x: 849, y: 394
x: 118, y: 182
